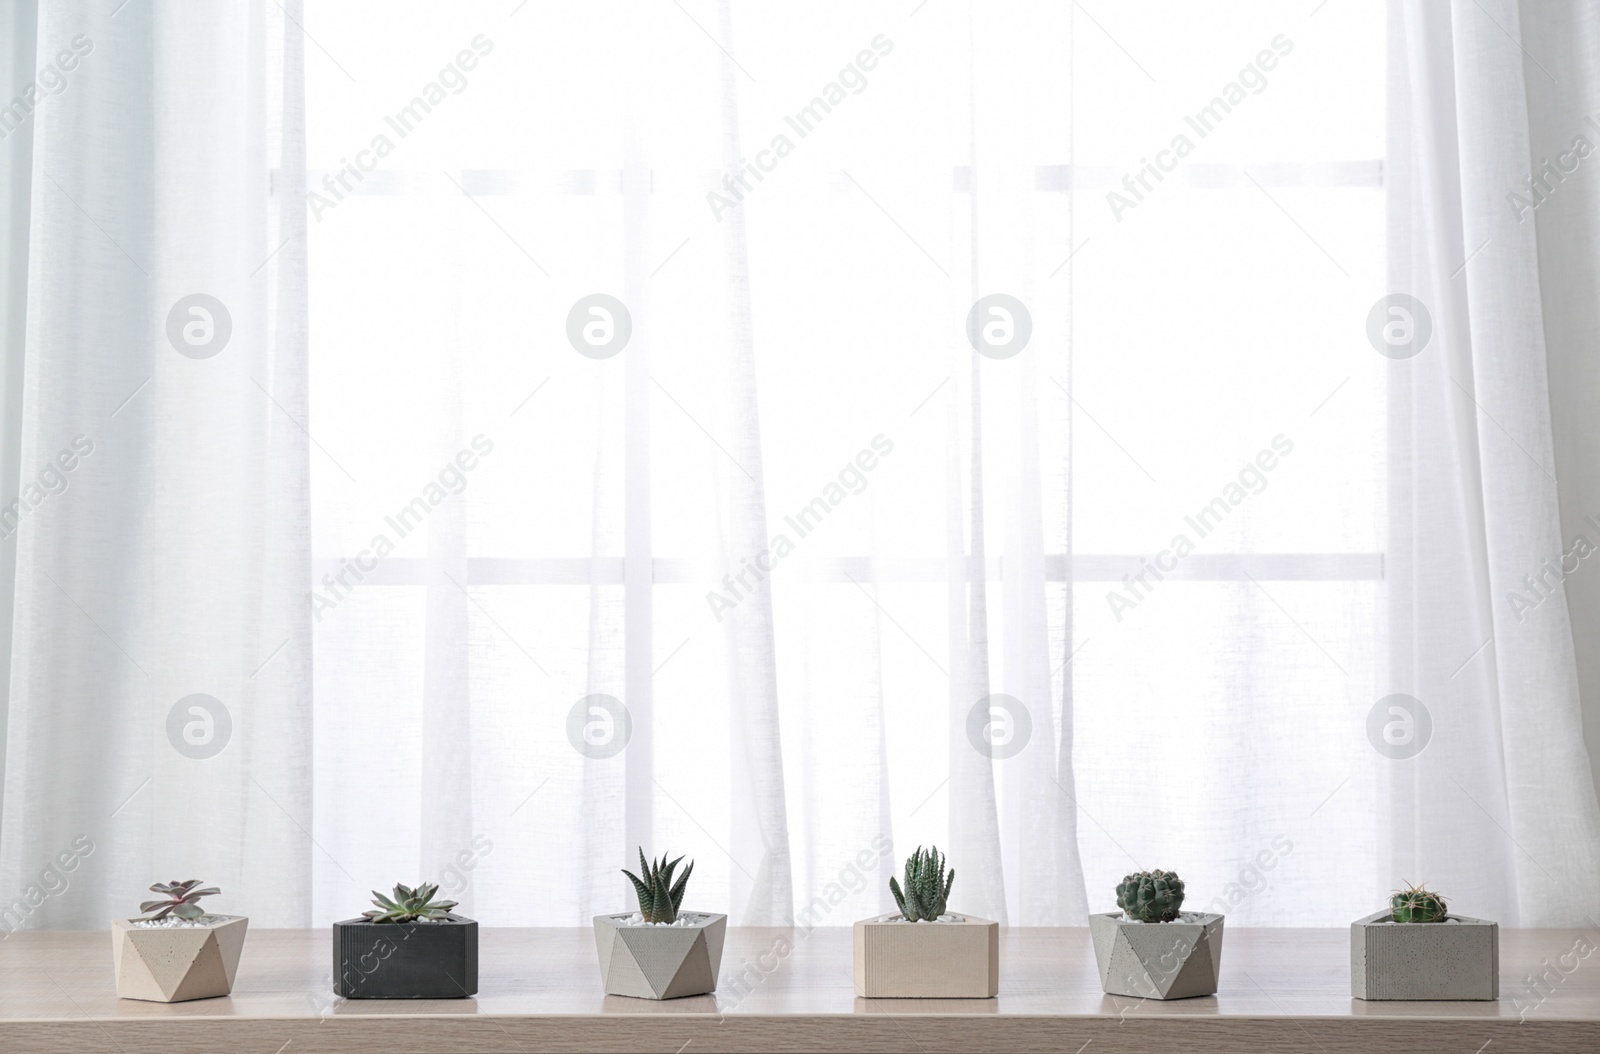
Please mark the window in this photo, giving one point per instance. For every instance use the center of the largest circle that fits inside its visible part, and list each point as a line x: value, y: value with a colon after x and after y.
x: 1196, y: 274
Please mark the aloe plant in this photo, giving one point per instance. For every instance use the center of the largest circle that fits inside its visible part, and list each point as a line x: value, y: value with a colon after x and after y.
x: 182, y: 900
x: 659, y: 896
x: 927, y: 887
x: 410, y: 905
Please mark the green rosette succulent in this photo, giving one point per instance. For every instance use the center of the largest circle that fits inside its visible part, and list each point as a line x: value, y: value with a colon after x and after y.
x: 410, y: 905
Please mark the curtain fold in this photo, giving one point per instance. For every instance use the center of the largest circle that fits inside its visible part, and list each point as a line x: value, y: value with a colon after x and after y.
x: 19, y: 31
x: 760, y: 828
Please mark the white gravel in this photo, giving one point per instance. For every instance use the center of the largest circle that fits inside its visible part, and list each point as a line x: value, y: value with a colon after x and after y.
x: 172, y: 922
x: 1183, y: 916
x: 684, y: 919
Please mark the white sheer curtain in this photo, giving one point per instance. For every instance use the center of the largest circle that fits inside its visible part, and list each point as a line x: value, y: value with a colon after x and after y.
x: 158, y: 714
x: 1493, y: 455
x: 600, y: 409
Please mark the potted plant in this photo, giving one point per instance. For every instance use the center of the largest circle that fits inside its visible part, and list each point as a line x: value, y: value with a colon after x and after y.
x: 660, y: 951
x: 1152, y: 948
x: 409, y: 947
x: 1418, y: 950
x: 175, y: 950
x: 924, y: 951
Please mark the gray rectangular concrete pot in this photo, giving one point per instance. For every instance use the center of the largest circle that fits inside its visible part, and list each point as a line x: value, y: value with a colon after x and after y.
x: 660, y: 962
x: 173, y: 964
x: 405, y: 960
x: 1455, y: 959
x: 927, y: 960
x: 1158, y: 960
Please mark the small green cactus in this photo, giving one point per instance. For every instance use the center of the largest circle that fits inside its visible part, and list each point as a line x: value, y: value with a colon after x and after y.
x: 1151, y: 896
x: 927, y: 887
x: 1417, y: 904
x: 181, y: 900
x: 659, y: 896
x: 410, y: 905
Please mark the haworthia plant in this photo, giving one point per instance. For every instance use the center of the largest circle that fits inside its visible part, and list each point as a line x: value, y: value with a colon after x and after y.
x: 659, y: 896
x: 927, y: 887
x: 1151, y: 896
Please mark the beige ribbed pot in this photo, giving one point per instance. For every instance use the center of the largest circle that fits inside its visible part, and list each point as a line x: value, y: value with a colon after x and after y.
x: 958, y: 959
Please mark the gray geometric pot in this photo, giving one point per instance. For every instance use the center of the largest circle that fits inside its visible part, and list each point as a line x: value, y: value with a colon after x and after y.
x: 1456, y: 959
x: 1158, y: 960
x: 659, y: 962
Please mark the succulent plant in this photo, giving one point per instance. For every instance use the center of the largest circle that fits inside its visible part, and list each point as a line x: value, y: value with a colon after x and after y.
x: 1418, y: 904
x: 1151, y: 896
x: 927, y: 887
x: 659, y: 896
x: 182, y: 900
x: 410, y: 905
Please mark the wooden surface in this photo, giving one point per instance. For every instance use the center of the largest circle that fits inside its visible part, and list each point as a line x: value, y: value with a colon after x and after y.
x: 1281, y: 990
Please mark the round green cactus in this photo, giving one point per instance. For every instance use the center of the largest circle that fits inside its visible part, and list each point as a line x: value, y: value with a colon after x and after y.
x: 1418, y: 904
x: 1151, y: 896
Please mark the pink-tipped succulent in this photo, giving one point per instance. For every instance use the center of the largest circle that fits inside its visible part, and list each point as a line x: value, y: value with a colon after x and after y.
x: 182, y: 900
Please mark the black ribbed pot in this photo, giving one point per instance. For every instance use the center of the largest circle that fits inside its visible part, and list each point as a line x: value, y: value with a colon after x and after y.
x: 405, y: 960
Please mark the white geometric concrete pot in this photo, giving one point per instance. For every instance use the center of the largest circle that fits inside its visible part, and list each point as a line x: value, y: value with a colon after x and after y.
x: 958, y: 958
x: 1456, y: 959
x: 660, y: 962
x: 171, y: 964
x: 1158, y: 960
